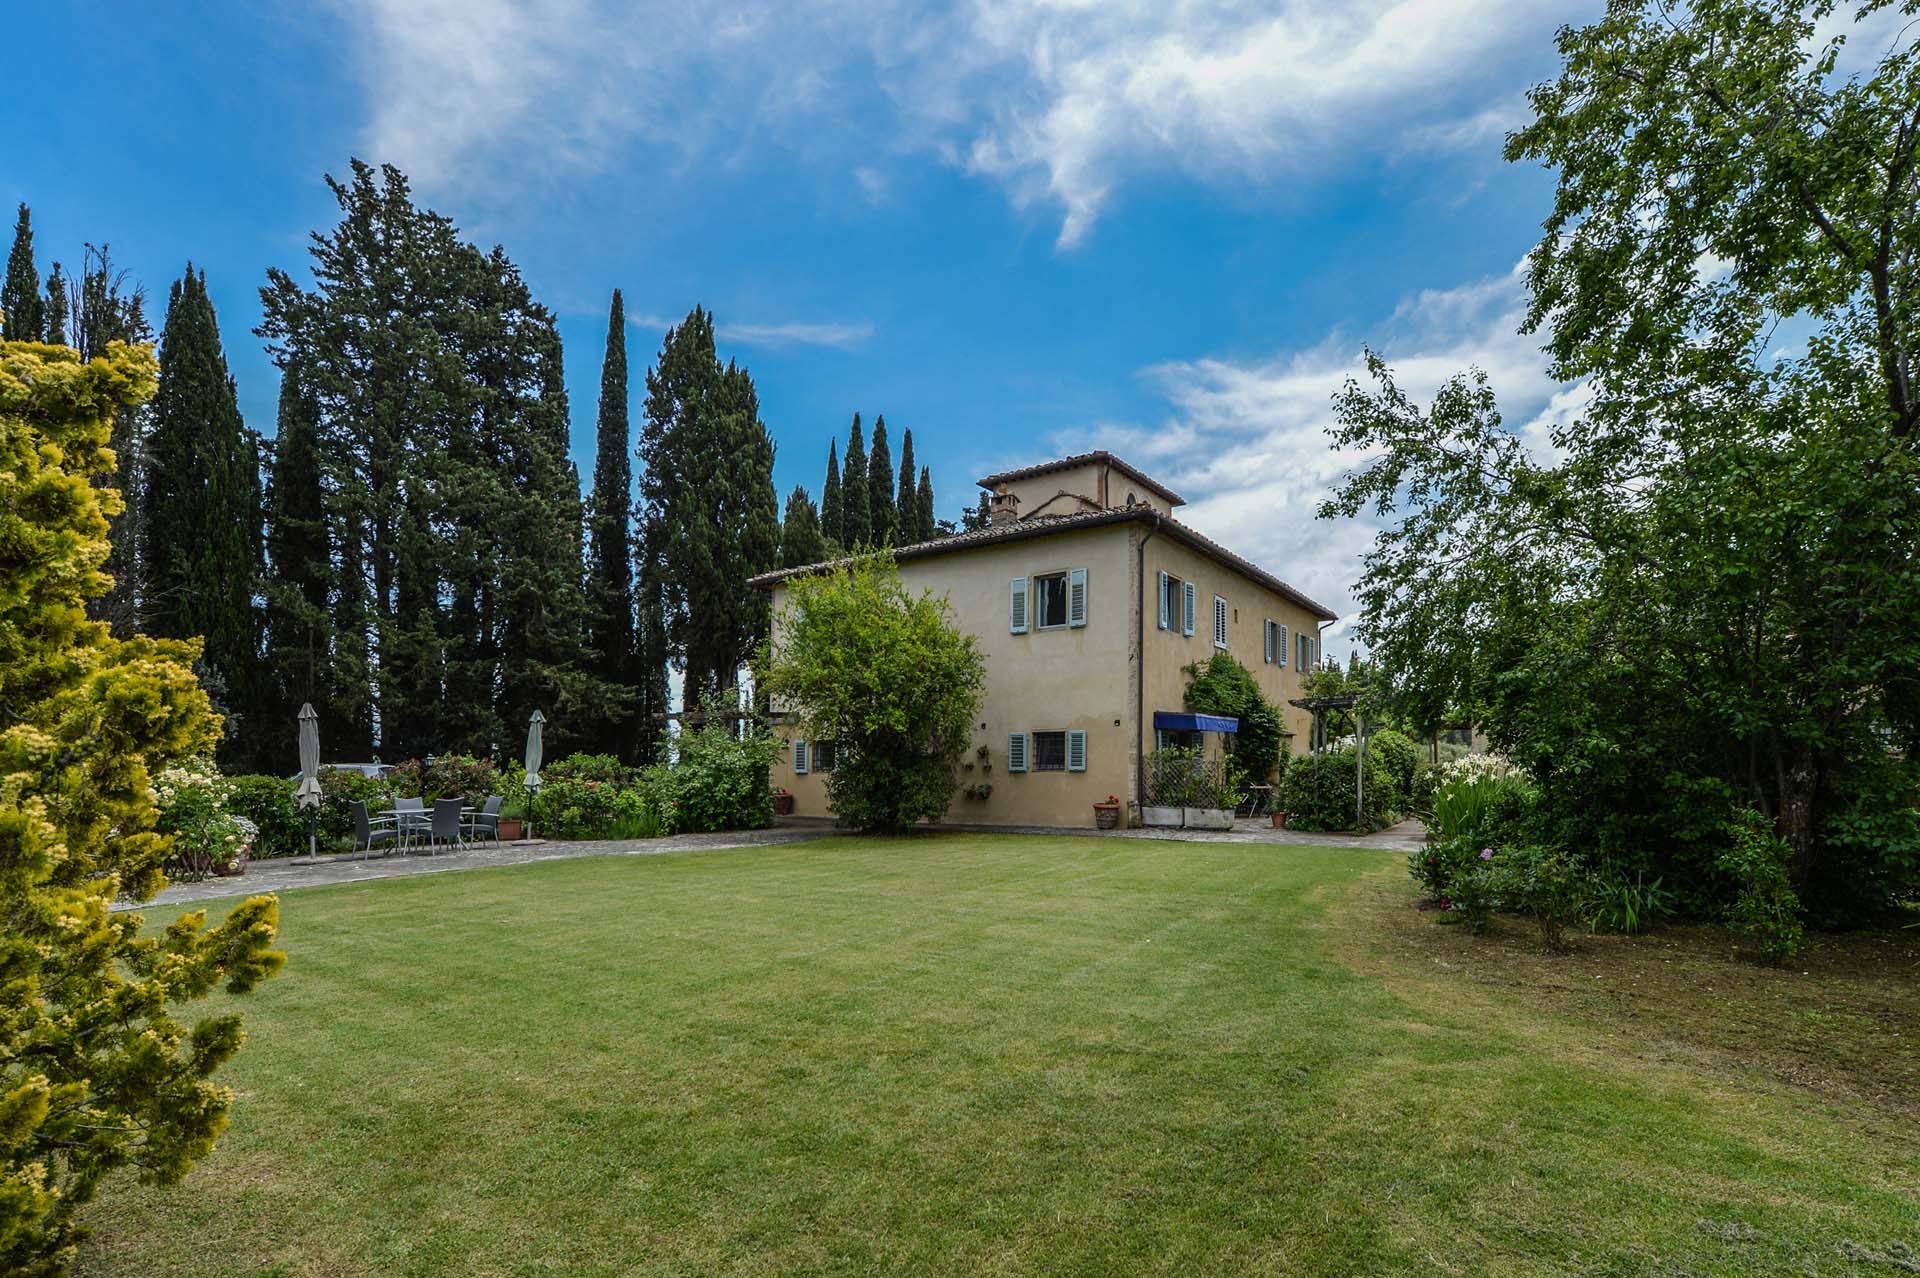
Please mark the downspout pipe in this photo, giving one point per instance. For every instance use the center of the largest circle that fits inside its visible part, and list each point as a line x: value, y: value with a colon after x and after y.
x: 1140, y: 663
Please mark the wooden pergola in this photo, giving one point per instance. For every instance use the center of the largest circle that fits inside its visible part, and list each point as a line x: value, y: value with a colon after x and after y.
x: 1317, y: 742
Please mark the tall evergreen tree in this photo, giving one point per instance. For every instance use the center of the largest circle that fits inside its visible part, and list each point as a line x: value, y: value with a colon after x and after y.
x: 923, y: 505
x: 609, y: 528
x: 906, y: 502
x: 886, y: 529
x: 453, y: 512
x: 801, y: 541
x: 202, y: 502
x: 21, y: 318
x: 707, y: 491
x: 299, y: 585
x: 651, y: 649
x: 105, y: 306
x: 979, y: 517
x: 856, y: 520
x: 55, y: 307
x: 832, y: 520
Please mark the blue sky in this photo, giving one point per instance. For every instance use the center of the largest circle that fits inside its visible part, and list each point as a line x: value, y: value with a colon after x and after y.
x: 1019, y: 228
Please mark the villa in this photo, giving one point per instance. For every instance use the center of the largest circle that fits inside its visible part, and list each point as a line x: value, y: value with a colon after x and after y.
x: 1090, y: 599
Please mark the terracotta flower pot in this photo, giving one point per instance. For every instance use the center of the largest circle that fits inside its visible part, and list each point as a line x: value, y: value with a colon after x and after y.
x: 1279, y: 820
x: 783, y: 805
x: 512, y: 828
x: 1106, y: 816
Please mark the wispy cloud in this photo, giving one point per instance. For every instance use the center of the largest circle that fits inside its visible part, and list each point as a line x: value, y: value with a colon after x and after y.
x: 1246, y: 442
x: 1061, y: 102
x: 842, y: 336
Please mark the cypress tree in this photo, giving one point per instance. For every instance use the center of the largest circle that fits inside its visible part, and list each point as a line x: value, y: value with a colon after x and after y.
x: 55, y: 310
x: 906, y: 503
x: 103, y: 307
x: 651, y: 651
x: 923, y: 504
x: 801, y: 541
x: 610, y: 552
x: 707, y: 492
x: 856, y: 521
x: 886, y: 524
x: 23, y: 319
x: 203, y: 508
x: 300, y: 585
x: 979, y: 517
x: 831, y: 519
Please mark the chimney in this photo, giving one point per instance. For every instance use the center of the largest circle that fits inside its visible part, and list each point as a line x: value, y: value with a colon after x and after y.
x: 1004, y: 508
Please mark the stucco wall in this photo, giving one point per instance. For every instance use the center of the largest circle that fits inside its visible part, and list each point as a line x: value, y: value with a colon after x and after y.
x: 1040, y: 494
x: 1044, y: 680
x: 1083, y: 677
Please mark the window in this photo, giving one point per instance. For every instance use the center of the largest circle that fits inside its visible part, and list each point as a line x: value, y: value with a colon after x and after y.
x: 1050, y: 600
x: 1050, y: 752
x: 1016, y: 752
x: 1219, y: 622
x: 1177, y: 739
x: 826, y: 756
x: 1188, y: 608
x: 1276, y: 649
x: 1302, y: 651
x: 1169, y: 601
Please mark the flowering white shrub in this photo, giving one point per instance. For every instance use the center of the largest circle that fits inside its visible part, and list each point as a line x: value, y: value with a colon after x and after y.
x: 193, y: 808
x: 1471, y: 767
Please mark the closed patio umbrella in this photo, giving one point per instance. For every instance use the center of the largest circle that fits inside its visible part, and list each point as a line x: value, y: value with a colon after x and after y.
x: 307, y: 794
x: 534, y: 747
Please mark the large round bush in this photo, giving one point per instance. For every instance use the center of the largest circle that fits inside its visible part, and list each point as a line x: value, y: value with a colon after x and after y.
x: 1318, y: 793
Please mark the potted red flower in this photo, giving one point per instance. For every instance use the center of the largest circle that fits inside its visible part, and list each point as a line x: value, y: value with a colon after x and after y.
x: 1106, y: 816
x: 782, y: 802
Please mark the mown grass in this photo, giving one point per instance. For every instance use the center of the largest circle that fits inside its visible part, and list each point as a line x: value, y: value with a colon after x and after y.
x: 976, y: 1054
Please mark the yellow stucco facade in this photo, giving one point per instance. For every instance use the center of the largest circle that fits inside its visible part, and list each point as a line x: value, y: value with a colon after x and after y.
x: 1105, y: 678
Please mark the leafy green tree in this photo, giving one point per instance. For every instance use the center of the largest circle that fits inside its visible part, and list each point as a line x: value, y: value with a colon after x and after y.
x: 923, y: 506
x: 202, y: 496
x: 979, y: 516
x: 1221, y: 685
x: 1706, y: 595
x: 22, y: 313
x: 856, y: 520
x: 832, y: 520
x: 880, y: 511
x: 609, y: 526
x: 886, y: 673
x: 800, y: 540
x: 96, y: 1074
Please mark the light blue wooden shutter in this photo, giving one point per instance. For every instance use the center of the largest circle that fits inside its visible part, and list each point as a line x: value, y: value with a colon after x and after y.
x: 1188, y: 603
x: 1219, y: 622
x: 1077, y: 597
x: 1166, y: 622
x: 1266, y: 634
x: 800, y: 759
x: 1017, y: 606
x: 1076, y: 751
x: 1016, y: 752
x: 1280, y: 646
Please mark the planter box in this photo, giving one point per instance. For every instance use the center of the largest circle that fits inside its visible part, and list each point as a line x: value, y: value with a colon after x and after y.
x: 783, y: 805
x: 512, y: 829
x: 1207, y: 818
x: 1160, y: 816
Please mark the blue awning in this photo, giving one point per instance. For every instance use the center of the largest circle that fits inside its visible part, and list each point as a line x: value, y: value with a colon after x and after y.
x: 1171, y: 721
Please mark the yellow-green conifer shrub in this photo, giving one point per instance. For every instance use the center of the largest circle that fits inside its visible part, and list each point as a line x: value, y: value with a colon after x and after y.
x: 95, y: 1074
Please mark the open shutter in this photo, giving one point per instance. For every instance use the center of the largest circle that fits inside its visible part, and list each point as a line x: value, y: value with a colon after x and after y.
x: 1016, y: 752
x: 1280, y: 644
x: 800, y: 760
x: 1188, y: 602
x: 1076, y: 750
x: 1017, y: 606
x: 1077, y: 597
x: 1219, y: 622
x: 1266, y: 633
x: 1166, y: 622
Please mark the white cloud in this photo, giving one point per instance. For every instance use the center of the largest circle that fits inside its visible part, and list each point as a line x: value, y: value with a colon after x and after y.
x: 1245, y: 441
x: 1060, y: 101
x: 843, y: 336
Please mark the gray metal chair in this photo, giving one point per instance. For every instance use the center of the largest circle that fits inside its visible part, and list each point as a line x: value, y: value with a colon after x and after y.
x: 445, y: 827
x: 486, y: 822
x: 369, y: 830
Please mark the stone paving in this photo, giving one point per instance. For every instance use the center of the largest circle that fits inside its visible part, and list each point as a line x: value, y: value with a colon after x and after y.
x: 286, y: 874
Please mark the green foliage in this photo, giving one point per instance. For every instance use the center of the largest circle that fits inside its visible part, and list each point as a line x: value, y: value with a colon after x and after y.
x: 880, y: 509
x: 1183, y: 777
x: 711, y: 519
x: 580, y: 808
x: 1705, y: 591
x: 192, y: 798
x: 338, y: 792
x: 1482, y: 800
x: 610, y: 533
x: 268, y: 802
x: 801, y: 541
x: 95, y: 1072
x: 856, y: 510
x: 1473, y: 887
x: 590, y: 767
x: 1763, y: 905
x: 1627, y: 906
x: 832, y: 520
x: 1543, y: 883
x: 719, y: 777
x: 1436, y: 862
x: 300, y: 575
x: 1401, y: 759
x: 1317, y: 792
x: 888, y: 675
x: 1221, y: 685
x: 22, y: 317
x: 452, y: 776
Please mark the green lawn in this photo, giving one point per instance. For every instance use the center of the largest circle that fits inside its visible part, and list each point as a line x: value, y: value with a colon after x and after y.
x: 979, y: 1055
